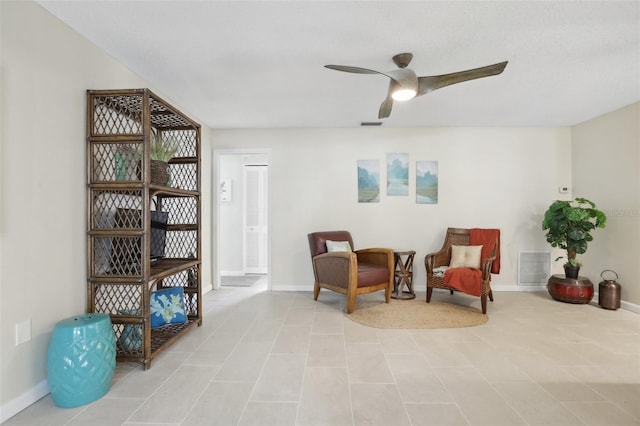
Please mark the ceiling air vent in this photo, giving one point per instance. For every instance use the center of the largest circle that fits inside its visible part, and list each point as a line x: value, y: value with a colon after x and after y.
x: 371, y: 123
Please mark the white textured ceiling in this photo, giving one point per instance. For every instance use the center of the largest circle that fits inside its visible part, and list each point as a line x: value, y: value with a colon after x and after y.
x: 260, y: 64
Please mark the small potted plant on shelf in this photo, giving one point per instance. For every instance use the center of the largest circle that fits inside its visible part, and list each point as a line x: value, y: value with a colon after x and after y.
x: 569, y: 225
x: 161, y: 151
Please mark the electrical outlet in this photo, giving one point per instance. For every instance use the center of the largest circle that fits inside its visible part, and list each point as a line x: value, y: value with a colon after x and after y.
x: 23, y: 332
x: 563, y: 189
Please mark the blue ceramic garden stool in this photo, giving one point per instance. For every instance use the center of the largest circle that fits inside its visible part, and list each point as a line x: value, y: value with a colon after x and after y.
x: 81, y: 359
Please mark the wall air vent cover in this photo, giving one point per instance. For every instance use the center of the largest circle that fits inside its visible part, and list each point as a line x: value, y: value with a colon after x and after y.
x: 534, y: 268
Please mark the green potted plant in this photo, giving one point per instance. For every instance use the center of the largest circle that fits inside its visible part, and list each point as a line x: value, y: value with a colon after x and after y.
x: 160, y: 152
x: 569, y: 225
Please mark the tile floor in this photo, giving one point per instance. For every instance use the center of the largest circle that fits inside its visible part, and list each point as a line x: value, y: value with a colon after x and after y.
x: 279, y: 358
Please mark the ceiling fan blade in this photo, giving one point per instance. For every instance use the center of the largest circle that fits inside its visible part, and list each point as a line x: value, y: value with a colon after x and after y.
x: 387, y: 104
x: 356, y: 70
x: 385, y: 108
x: 431, y: 83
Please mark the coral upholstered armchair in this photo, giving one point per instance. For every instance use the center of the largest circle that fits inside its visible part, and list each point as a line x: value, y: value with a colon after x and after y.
x: 337, y: 267
x: 465, y: 263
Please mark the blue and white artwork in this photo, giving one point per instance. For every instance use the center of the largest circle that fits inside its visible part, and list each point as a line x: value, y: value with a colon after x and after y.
x: 426, y: 182
x: 398, y: 174
x: 368, y: 181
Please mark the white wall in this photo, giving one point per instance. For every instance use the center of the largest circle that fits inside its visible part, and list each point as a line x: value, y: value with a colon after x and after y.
x: 46, y: 70
x: 606, y: 158
x: 489, y: 177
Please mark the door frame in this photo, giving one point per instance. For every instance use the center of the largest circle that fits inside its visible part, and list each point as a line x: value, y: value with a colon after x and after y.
x: 217, y: 156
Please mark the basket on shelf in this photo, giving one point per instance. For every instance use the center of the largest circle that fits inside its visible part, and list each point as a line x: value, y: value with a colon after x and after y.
x: 159, y: 172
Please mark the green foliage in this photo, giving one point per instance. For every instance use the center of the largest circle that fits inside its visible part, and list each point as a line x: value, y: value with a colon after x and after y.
x: 569, y: 225
x: 161, y: 150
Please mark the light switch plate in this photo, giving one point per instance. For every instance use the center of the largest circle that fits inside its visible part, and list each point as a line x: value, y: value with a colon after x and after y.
x: 23, y: 332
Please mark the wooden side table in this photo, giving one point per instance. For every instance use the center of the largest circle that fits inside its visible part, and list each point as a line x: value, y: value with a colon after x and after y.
x: 403, y: 275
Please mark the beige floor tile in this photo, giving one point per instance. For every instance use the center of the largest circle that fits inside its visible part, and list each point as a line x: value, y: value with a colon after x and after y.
x: 540, y: 368
x: 477, y: 400
x: 358, y: 333
x: 625, y: 396
x: 44, y: 412
x: 377, y: 404
x: 600, y: 414
x: 397, y: 341
x: 327, y: 322
x: 222, y: 403
x: 435, y: 414
x: 416, y: 380
x: 281, y: 379
x: 292, y: 340
x: 494, y: 365
x: 299, y: 317
x: 107, y: 412
x: 567, y: 392
x: 326, y: 350
x: 140, y: 383
x: 269, y: 414
x: 245, y: 362
x: 287, y: 359
x: 175, y: 397
x: 442, y: 352
x: 216, y: 348
x: 367, y: 364
x: 263, y: 330
x: 325, y: 398
x: 535, y: 405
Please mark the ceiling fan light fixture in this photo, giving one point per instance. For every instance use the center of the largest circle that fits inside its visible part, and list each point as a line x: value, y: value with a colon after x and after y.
x: 403, y: 94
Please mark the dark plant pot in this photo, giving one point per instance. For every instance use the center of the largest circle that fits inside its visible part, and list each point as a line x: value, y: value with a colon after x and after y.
x: 571, y: 271
x: 570, y: 290
x: 159, y: 172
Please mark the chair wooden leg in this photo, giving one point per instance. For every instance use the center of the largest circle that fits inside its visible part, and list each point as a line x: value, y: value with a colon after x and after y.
x: 491, y: 295
x: 351, y: 296
x: 316, y: 290
x: 483, y: 300
x: 429, y: 291
x: 351, y: 303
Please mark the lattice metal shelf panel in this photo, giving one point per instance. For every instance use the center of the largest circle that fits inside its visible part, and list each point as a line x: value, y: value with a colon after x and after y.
x: 133, y: 217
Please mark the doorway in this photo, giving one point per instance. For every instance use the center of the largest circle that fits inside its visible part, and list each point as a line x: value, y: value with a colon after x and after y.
x: 256, y: 230
x: 242, y: 240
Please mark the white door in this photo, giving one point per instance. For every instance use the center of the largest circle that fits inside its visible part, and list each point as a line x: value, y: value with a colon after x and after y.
x: 255, y: 219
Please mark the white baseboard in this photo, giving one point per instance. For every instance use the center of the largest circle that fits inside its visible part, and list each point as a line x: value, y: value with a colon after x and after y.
x: 519, y: 287
x: 630, y: 307
x: 232, y: 273
x: 275, y: 287
x: 13, y: 407
x: 530, y: 288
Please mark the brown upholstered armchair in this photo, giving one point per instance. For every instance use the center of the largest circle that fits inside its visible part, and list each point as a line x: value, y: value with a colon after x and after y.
x: 350, y: 272
x: 471, y: 280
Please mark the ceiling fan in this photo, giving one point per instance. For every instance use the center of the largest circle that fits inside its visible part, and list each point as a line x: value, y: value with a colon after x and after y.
x: 405, y: 84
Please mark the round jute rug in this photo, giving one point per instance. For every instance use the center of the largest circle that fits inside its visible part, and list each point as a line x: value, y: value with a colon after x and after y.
x: 416, y: 313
